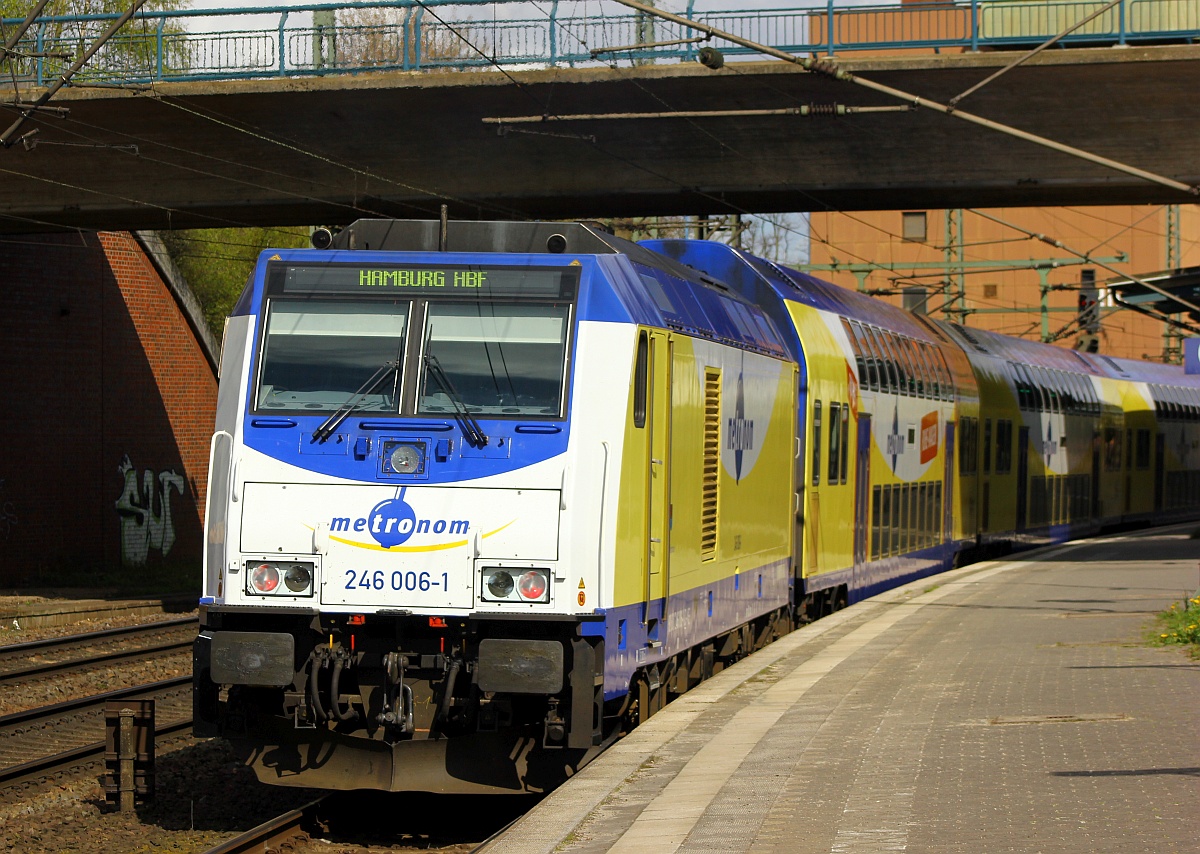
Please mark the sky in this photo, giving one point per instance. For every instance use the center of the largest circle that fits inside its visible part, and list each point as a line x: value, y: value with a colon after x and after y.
x: 537, y: 8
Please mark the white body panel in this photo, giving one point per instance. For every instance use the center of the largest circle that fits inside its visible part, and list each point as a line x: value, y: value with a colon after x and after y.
x: 366, y: 538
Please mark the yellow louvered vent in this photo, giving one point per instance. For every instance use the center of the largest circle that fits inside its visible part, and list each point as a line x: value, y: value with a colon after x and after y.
x: 712, y: 464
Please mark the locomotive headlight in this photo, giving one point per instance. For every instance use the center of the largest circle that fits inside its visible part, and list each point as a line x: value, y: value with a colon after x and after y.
x: 264, y: 578
x: 280, y: 577
x: 500, y: 584
x: 298, y: 578
x: 516, y: 585
x: 406, y: 459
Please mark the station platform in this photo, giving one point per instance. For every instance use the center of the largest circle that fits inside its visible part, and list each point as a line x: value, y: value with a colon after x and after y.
x: 39, y: 609
x: 1009, y: 706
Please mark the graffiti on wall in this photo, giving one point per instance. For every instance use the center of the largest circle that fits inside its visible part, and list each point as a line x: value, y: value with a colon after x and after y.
x: 8, y: 514
x: 145, y: 512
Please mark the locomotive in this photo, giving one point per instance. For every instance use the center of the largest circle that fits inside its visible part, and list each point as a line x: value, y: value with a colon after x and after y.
x: 485, y: 495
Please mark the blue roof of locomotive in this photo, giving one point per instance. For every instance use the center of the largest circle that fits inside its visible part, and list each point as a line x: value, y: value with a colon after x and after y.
x: 764, y: 282
x: 754, y: 277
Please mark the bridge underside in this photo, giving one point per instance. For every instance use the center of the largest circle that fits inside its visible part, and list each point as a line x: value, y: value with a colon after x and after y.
x: 331, y: 150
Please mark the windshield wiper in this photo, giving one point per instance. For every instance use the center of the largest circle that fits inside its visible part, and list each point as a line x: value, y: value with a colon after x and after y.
x: 333, y: 421
x: 476, y: 438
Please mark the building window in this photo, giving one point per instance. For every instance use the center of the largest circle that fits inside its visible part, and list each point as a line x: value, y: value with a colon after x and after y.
x: 912, y: 225
x: 989, y: 290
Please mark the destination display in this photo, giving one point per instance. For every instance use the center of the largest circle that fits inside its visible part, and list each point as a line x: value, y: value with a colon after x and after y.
x: 426, y: 280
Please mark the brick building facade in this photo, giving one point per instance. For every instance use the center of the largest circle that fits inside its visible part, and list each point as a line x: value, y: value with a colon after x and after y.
x: 109, y: 391
x: 1011, y: 283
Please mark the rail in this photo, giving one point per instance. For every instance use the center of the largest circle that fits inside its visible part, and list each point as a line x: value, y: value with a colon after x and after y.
x: 23, y: 652
x: 41, y: 719
x: 273, y: 834
x: 383, y: 35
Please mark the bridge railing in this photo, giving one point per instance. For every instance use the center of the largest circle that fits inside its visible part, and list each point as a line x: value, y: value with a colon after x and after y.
x: 356, y: 37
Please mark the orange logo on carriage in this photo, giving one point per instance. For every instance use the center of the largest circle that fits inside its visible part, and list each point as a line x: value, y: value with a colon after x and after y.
x: 929, y: 437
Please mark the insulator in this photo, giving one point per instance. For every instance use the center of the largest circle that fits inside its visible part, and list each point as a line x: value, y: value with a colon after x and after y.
x: 824, y: 66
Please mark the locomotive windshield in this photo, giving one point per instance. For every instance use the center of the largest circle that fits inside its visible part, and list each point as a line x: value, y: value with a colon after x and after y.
x: 503, y: 358
x: 500, y: 334
x: 319, y: 352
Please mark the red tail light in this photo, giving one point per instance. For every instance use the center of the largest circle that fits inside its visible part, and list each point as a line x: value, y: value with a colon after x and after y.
x: 532, y: 585
x: 264, y: 577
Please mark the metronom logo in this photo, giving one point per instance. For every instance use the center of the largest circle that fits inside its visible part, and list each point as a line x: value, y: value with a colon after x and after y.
x: 393, y: 521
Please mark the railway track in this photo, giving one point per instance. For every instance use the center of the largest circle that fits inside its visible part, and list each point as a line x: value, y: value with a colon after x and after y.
x: 383, y: 822
x: 35, y: 659
x: 47, y: 741
x: 270, y: 835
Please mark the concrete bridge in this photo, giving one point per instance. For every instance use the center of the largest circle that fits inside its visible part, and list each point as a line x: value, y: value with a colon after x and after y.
x: 332, y: 149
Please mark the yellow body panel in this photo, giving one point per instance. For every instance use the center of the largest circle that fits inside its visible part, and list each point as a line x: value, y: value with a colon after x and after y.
x: 997, y: 488
x: 753, y: 511
x: 829, y: 508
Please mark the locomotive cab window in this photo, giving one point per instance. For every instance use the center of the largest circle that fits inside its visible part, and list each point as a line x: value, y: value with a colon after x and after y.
x: 500, y: 358
x: 640, y: 369
x: 491, y: 339
x: 319, y: 353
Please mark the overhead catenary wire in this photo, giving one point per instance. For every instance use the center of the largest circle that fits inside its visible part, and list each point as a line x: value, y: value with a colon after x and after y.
x: 1021, y: 60
x: 810, y: 234
x: 141, y: 143
x: 718, y: 202
x: 433, y: 193
x: 1058, y: 244
x: 803, y: 110
x: 11, y: 41
x: 6, y: 138
x: 830, y: 69
x: 132, y: 201
x: 25, y: 110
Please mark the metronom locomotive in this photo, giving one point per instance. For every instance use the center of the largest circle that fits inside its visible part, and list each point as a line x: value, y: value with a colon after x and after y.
x: 484, y: 495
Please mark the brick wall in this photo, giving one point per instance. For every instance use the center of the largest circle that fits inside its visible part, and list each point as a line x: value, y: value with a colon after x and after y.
x: 108, y: 408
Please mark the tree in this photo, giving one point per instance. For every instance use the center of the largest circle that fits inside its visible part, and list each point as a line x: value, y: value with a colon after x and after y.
x: 217, y: 262
x: 782, y: 238
x: 130, y: 53
x: 369, y: 38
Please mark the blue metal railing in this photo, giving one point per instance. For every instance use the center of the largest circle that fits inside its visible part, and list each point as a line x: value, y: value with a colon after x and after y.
x: 357, y: 37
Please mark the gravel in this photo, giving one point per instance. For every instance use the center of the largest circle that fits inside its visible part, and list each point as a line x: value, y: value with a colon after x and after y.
x: 204, y: 795
x: 59, y: 687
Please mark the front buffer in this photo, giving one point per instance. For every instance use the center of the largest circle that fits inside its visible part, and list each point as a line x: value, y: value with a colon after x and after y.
x: 403, y: 703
